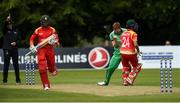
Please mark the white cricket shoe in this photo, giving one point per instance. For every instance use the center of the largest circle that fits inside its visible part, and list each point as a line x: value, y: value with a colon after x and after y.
x: 46, y: 88
x: 102, y: 83
x: 125, y: 83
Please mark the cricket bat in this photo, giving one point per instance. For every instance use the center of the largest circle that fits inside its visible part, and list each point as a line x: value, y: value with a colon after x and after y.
x: 43, y: 43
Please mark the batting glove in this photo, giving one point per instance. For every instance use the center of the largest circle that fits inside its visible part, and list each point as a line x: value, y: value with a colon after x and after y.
x: 33, y: 49
x: 52, y: 40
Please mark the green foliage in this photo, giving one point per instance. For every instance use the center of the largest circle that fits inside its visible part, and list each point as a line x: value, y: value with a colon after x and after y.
x: 86, y: 18
x: 97, y: 41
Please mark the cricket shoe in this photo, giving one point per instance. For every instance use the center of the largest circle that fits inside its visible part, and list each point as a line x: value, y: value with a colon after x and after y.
x: 5, y: 83
x: 125, y: 83
x: 18, y: 83
x: 46, y: 88
x: 102, y: 83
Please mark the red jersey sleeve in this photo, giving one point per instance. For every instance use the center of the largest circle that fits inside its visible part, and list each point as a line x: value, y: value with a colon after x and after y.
x: 134, y: 37
x: 33, y: 37
x: 55, y: 32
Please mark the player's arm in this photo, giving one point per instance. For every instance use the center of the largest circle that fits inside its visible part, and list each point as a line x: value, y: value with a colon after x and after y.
x: 134, y: 38
x: 136, y: 46
x: 56, y: 38
x: 32, y: 38
x: 114, y: 42
x: 18, y: 42
x: 113, y: 39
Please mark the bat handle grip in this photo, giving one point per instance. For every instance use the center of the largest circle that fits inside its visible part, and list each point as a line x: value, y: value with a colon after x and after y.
x: 28, y: 53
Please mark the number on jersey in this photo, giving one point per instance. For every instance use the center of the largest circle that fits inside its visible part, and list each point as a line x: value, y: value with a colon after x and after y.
x: 125, y: 42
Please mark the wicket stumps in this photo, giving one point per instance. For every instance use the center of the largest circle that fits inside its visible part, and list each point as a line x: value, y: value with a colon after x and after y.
x: 30, y: 70
x: 166, y: 74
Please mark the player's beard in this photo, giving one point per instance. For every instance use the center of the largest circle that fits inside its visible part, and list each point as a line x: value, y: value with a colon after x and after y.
x: 45, y: 24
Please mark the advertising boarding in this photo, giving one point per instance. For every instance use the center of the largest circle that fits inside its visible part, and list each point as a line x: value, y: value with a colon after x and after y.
x: 99, y: 57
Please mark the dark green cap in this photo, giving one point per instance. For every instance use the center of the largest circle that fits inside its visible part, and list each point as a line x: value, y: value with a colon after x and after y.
x: 131, y: 24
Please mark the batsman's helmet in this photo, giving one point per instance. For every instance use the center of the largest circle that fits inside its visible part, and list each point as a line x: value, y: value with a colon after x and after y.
x: 45, y: 20
x: 132, y: 24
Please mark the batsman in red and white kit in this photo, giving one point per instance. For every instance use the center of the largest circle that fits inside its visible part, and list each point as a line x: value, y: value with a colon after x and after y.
x: 129, y: 50
x: 46, y: 53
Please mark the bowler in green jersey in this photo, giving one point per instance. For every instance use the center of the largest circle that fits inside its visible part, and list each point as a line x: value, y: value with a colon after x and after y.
x: 116, y: 58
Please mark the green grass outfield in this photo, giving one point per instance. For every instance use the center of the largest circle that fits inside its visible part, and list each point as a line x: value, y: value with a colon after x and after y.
x: 80, y: 86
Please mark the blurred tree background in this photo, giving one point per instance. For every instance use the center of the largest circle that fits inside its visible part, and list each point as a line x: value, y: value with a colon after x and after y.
x: 83, y: 23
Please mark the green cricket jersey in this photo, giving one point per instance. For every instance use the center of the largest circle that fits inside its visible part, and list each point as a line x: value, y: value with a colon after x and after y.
x: 111, y: 36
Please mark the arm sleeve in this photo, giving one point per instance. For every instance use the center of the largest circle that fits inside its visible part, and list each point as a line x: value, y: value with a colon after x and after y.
x: 4, y: 29
x: 18, y: 38
x: 111, y: 36
x: 55, y: 32
x: 57, y: 38
x: 33, y: 36
x: 134, y: 37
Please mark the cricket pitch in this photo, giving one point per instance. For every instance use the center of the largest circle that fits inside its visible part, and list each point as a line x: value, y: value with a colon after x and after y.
x: 93, y: 89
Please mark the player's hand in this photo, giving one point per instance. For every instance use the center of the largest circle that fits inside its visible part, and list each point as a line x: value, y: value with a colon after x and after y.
x: 139, y: 53
x: 115, y: 38
x: 115, y: 43
x: 52, y: 40
x: 58, y: 44
x: 13, y: 43
x: 33, y: 49
x: 8, y: 18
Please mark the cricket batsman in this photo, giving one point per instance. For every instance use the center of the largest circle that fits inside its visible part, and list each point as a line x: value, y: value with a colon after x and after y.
x: 129, y: 51
x: 116, y: 58
x: 45, y: 54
